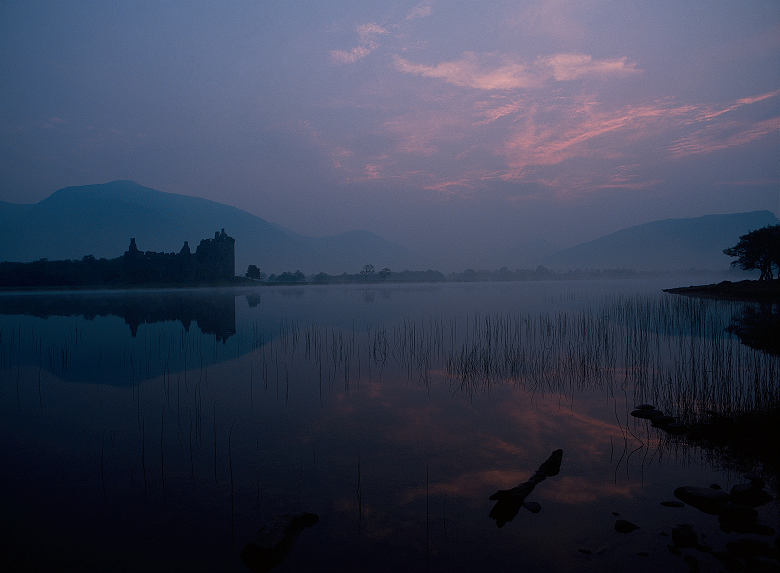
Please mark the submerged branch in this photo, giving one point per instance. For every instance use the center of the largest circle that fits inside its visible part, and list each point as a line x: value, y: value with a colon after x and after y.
x: 509, y: 501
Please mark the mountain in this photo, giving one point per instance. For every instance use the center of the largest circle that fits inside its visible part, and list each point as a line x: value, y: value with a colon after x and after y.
x: 99, y: 220
x: 671, y: 244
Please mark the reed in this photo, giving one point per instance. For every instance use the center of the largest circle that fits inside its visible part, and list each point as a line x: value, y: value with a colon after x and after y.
x: 673, y: 351
x: 162, y: 456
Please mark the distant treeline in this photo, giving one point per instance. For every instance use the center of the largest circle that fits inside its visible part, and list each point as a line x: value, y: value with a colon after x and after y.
x: 88, y: 271
x: 469, y: 275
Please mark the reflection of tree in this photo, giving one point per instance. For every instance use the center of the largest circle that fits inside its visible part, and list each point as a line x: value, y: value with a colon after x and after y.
x: 758, y: 327
x: 214, y: 311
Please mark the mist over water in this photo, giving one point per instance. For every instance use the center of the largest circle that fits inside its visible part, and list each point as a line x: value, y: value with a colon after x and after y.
x: 165, y: 439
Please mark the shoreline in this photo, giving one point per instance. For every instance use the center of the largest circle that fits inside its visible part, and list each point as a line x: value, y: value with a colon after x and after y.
x: 747, y: 290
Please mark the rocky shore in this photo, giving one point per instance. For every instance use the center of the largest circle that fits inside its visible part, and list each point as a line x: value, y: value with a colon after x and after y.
x: 740, y: 535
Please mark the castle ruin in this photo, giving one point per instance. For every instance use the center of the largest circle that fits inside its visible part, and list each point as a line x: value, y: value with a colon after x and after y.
x: 213, y: 260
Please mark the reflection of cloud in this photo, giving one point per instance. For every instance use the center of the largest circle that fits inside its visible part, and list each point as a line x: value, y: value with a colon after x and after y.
x: 368, y: 34
x: 422, y: 10
x: 582, y: 489
x: 489, y: 72
x: 478, y: 485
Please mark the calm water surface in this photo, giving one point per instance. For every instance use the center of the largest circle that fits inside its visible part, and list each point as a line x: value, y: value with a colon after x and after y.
x: 157, y: 431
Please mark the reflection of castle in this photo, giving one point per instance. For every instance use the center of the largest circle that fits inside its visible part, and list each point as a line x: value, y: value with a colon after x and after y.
x: 214, y: 259
x: 213, y: 310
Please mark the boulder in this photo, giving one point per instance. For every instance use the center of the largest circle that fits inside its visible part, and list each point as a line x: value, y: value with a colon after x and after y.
x: 683, y: 536
x: 749, y: 547
x: 676, y: 428
x: 662, y: 421
x: 704, y: 499
x: 532, y: 506
x: 692, y: 562
x: 756, y: 480
x: 672, y: 503
x: 623, y: 526
x: 646, y: 414
x: 734, y: 513
x: 729, y: 561
x: 750, y: 495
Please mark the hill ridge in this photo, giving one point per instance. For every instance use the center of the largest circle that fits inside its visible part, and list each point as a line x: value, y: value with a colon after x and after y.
x: 666, y: 244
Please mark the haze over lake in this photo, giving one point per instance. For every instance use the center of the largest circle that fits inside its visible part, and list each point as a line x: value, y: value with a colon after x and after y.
x: 164, y: 439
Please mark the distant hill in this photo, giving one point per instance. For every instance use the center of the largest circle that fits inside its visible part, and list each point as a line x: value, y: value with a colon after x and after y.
x: 100, y: 219
x: 671, y: 244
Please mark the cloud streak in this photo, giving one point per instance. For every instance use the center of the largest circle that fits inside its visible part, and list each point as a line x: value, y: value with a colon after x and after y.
x: 492, y: 72
x: 470, y: 140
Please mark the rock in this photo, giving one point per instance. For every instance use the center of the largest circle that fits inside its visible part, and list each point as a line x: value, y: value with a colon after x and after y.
x: 749, y: 547
x: 749, y: 495
x: 647, y: 414
x: 762, y: 564
x: 673, y: 550
x: 683, y: 536
x: 731, y: 512
x: 662, y: 421
x: 274, y: 541
x: 693, y: 563
x: 676, y: 428
x: 623, y: 526
x: 729, y: 561
x: 756, y: 480
x: 761, y: 529
x: 704, y: 499
x: 672, y: 503
x: 737, y: 527
x: 532, y: 506
x: 715, y: 486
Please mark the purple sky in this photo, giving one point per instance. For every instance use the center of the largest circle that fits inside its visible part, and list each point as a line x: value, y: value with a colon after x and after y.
x: 452, y: 127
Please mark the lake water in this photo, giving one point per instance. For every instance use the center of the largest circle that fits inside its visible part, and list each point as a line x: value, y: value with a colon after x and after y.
x: 158, y: 431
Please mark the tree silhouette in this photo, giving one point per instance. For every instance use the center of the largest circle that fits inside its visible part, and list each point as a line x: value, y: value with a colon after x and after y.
x: 368, y: 272
x: 252, y: 272
x: 758, y: 250
x: 384, y: 273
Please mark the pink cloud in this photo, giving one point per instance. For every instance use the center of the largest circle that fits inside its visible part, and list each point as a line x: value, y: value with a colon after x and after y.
x: 422, y: 10
x: 472, y: 71
x: 367, y: 34
x: 493, y: 72
x: 566, y: 67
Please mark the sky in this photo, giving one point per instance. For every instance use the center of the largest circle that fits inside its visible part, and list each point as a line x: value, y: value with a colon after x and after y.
x: 460, y: 129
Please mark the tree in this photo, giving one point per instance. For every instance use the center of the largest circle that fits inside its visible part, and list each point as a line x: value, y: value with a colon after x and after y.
x: 758, y: 250
x: 252, y: 272
x: 368, y: 272
x: 384, y: 273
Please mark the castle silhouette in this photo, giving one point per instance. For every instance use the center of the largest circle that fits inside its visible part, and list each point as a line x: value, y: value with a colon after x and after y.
x: 213, y: 260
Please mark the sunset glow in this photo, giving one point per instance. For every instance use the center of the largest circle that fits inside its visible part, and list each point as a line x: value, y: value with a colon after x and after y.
x: 489, y: 119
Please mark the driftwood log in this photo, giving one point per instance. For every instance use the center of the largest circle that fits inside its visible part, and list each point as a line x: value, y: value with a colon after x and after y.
x: 274, y: 541
x: 509, y: 501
